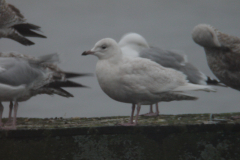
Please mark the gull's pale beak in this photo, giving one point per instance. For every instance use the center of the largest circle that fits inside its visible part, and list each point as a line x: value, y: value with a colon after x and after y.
x: 87, y: 53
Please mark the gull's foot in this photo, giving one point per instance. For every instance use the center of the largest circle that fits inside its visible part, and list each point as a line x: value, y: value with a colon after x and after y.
x: 150, y: 114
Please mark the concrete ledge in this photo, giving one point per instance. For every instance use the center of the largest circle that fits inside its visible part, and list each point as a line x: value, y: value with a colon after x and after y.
x: 192, y: 140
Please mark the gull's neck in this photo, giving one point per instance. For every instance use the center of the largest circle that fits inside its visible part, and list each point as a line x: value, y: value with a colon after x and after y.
x: 137, y: 47
x: 114, y: 58
x: 128, y: 51
x: 133, y: 50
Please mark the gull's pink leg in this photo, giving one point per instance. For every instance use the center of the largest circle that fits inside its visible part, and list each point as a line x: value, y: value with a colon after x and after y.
x: 151, y: 109
x: 131, y: 118
x: 157, y: 111
x: 1, y: 112
x: 9, y: 121
x: 14, y: 117
x: 138, y: 111
x: 151, y: 112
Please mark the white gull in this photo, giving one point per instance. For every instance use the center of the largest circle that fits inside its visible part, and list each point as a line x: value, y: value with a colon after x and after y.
x: 138, y: 80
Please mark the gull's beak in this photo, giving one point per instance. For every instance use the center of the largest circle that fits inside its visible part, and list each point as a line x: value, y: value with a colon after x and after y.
x: 87, y: 53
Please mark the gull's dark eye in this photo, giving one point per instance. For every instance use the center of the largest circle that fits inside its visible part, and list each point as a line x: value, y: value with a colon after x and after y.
x: 104, y: 46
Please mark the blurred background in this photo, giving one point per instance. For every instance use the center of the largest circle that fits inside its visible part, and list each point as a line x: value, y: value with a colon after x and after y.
x: 74, y: 26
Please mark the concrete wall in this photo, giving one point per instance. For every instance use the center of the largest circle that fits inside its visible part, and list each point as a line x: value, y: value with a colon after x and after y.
x: 182, y: 142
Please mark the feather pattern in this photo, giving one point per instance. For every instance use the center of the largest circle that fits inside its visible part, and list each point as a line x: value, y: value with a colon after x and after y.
x: 13, y: 25
x: 222, y: 52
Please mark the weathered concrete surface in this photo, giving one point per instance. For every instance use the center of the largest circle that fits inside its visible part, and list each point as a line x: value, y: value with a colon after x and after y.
x: 167, y: 137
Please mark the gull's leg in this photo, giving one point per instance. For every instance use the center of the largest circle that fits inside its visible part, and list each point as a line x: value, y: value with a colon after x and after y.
x: 9, y: 121
x: 131, y: 118
x: 157, y: 111
x: 151, y: 111
x: 138, y: 111
x: 13, y: 126
x: 15, y: 115
x: 1, y: 112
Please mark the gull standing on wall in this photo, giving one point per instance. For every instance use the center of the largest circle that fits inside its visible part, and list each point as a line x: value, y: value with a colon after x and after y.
x: 138, y: 80
x: 22, y: 78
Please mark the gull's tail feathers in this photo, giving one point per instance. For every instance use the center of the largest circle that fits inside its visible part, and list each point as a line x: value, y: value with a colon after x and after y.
x: 194, y: 87
x: 67, y: 83
x: 26, y: 29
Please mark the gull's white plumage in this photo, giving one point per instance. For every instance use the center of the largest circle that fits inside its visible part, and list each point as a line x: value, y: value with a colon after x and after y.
x: 138, y: 80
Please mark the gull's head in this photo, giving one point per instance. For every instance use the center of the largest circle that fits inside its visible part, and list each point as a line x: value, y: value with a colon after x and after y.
x: 134, y: 40
x: 205, y: 35
x: 104, y: 49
